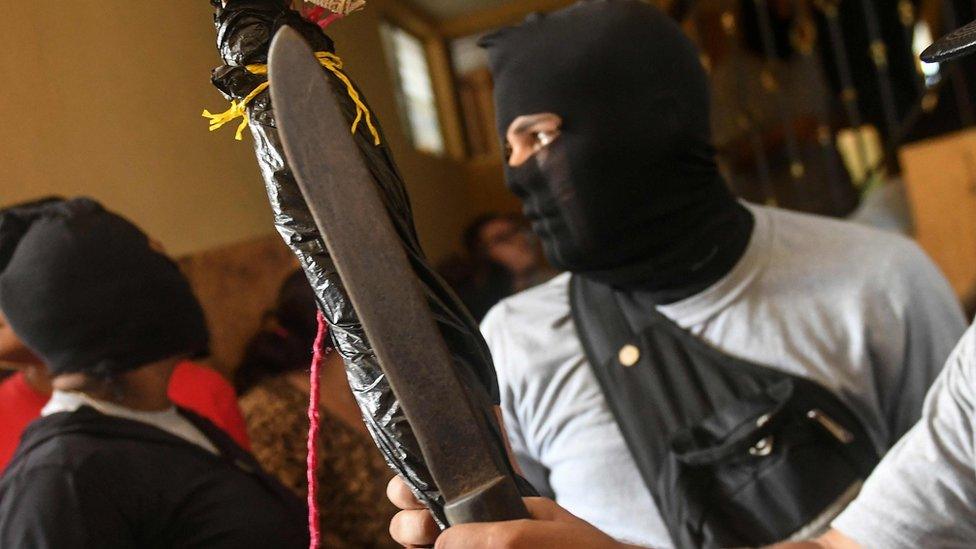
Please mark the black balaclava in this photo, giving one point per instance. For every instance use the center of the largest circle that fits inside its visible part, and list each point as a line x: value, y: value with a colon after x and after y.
x: 629, y: 194
x: 84, y: 289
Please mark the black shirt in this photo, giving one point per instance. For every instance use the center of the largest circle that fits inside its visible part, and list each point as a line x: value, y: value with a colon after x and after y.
x: 85, y: 479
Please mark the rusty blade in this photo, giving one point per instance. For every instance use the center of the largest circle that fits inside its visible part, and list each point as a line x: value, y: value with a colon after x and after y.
x: 344, y: 200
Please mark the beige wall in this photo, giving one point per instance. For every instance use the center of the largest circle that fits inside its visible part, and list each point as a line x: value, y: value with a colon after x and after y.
x: 103, y: 98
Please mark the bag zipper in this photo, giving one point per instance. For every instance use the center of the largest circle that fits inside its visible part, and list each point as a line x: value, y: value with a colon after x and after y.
x: 832, y: 427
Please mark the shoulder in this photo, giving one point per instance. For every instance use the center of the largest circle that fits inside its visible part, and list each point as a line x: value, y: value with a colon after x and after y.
x: 40, y: 484
x: 531, y: 333
x: 75, y: 452
x: 828, y: 246
x: 545, y: 302
x: 528, y: 318
x: 821, y: 231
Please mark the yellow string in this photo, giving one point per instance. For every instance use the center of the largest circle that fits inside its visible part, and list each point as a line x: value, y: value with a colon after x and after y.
x: 237, y: 109
x: 330, y: 61
x: 333, y: 63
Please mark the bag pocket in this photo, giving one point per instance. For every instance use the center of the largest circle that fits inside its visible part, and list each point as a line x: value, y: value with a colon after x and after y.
x: 756, y: 471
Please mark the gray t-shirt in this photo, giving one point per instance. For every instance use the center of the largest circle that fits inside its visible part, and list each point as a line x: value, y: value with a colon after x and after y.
x: 863, y: 312
x: 923, y: 494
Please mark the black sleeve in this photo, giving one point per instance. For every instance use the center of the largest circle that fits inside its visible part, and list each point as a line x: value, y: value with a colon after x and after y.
x: 50, y: 508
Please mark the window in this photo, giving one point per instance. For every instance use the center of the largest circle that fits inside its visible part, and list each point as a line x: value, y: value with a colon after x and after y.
x: 474, y: 90
x: 415, y: 91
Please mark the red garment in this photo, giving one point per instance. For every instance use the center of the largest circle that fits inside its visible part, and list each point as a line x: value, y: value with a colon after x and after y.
x: 20, y: 404
x: 207, y: 393
x: 192, y: 386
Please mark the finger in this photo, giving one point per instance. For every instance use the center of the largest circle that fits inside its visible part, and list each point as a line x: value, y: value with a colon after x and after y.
x: 400, y: 495
x: 414, y: 528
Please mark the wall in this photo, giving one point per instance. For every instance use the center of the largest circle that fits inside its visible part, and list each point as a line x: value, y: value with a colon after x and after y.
x: 103, y: 98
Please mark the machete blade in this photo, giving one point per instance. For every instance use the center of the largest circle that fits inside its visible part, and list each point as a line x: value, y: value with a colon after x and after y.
x: 345, y: 202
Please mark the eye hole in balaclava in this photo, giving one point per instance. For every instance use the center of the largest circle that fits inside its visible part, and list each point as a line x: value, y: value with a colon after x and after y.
x: 529, y: 135
x: 633, y: 165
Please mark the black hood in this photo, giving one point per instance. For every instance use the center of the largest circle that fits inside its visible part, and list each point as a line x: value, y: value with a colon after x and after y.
x: 629, y: 193
x: 86, y: 291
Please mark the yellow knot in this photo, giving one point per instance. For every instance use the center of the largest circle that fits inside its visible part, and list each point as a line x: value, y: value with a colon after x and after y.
x: 330, y: 61
x: 236, y: 110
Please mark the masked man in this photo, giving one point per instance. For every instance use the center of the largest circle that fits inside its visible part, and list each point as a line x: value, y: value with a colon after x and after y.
x: 707, y: 372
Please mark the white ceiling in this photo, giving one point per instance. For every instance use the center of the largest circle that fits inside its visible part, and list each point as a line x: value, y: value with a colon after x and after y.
x: 446, y: 9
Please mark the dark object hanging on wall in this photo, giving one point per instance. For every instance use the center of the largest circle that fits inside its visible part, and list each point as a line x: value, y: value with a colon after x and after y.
x: 244, y: 32
x: 774, y: 39
x: 773, y: 116
x: 949, y: 106
x: 874, y: 37
x: 957, y: 43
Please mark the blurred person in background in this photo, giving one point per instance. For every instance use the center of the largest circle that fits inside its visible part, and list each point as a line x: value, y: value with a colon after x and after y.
x: 503, y: 258
x: 113, y: 462
x: 274, y: 383
x: 25, y: 385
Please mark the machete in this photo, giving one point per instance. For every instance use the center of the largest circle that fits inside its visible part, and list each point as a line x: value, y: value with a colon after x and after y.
x: 454, y: 438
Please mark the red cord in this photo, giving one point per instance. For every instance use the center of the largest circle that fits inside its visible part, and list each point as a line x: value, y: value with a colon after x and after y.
x: 318, y: 354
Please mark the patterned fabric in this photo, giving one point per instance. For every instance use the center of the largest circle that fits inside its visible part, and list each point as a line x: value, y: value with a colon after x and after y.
x: 354, y: 511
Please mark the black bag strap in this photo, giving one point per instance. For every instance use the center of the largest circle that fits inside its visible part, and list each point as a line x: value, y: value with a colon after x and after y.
x: 604, y: 331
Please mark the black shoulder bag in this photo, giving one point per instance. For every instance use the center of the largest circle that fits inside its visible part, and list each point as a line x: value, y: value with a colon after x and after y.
x: 734, y: 454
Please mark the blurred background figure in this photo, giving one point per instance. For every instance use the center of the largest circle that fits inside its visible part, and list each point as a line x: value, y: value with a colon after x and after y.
x: 502, y: 257
x: 26, y: 388
x: 274, y: 384
x: 25, y: 383
x: 112, y: 461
